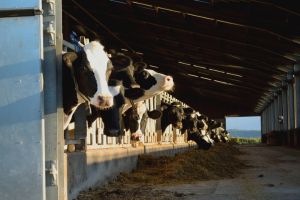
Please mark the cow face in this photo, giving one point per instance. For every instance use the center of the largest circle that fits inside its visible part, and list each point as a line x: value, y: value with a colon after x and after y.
x: 163, y: 83
x: 95, y: 69
x: 172, y: 114
x: 190, y: 122
x: 124, y: 71
x: 225, y: 136
x: 136, y: 120
x: 196, y: 129
x: 143, y: 77
x: 156, y: 82
x: 111, y: 117
x: 212, y: 124
x: 202, y: 139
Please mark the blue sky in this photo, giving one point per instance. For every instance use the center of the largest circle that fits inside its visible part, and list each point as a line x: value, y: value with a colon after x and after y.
x: 243, y: 123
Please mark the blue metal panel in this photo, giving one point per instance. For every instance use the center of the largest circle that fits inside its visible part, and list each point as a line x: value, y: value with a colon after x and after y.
x: 21, y: 109
x: 19, y: 4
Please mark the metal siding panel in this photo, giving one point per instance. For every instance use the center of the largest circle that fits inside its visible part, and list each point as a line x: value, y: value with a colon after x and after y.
x: 20, y: 4
x: 21, y: 110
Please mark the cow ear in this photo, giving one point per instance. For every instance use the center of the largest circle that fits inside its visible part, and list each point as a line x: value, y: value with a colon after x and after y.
x: 69, y: 58
x: 120, y: 61
x: 114, y: 82
x: 154, y: 114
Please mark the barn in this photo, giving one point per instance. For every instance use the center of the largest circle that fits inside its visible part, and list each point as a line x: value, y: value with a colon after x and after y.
x: 226, y: 58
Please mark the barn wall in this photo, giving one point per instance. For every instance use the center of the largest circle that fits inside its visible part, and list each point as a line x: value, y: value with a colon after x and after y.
x: 21, y: 103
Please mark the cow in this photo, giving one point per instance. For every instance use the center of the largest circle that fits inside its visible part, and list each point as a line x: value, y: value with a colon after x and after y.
x: 153, y: 83
x: 196, y: 128
x: 217, y: 132
x: 85, y: 76
x: 137, y: 122
x: 213, y: 127
x: 225, y: 136
x: 171, y: 114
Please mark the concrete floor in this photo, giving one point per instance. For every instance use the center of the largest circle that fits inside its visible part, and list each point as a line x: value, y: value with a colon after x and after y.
x: 274, y: 175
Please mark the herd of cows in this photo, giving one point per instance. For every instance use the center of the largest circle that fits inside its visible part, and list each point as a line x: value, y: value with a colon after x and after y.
x: 115, y: 87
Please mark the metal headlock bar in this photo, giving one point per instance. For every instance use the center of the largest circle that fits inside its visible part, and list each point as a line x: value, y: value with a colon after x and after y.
x: 20, y: 13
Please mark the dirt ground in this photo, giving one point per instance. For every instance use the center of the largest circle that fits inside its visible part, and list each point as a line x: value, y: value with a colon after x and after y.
x: 274, y: 174
x: 155, y: 177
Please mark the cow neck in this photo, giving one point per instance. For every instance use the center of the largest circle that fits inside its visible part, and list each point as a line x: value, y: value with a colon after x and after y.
x: 80, y: 96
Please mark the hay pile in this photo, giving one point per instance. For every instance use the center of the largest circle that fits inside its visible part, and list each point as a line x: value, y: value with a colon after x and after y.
x: 194, y: 165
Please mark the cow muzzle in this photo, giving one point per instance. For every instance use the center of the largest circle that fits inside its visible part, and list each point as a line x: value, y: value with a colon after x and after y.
x: 168, y: 83
x: 178, y: 125
x: 105, y: 102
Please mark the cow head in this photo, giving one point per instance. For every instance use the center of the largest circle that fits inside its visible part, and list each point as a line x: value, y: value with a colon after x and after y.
x: 152, y: 82
x: 124, y: 70
x: 172, y: 114
x: 111, y: 117
x: 163, y: 82
x: 136, y: 120
x: 143, y: 77
x: 196, y: 128
x: 92, y: 68
x: 201, y: 138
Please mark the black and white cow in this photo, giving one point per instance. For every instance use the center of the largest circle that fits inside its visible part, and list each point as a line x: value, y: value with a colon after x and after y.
x: 153, y: 83
x: 196, y: 128
x: 217, y: 131
x: 213, y: 127
x: 171, y: 114
x: 85, y: 76
x: 137, y: 122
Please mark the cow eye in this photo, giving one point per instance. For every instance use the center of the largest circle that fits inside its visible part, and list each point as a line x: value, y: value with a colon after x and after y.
x: 145, y: 74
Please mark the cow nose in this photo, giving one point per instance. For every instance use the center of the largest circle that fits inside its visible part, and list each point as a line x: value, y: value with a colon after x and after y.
x: 105, y: 101
x: 179, y: 124
x: 100, y: 99
x: 168, y: 78
x: 168, y: 83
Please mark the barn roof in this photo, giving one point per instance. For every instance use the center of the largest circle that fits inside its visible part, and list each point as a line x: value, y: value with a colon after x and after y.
x: 227, y: 57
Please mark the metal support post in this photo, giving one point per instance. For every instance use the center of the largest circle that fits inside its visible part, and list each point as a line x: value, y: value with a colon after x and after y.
x: 297, y: 94
x: 276, y: 112
x: 290, y: 94
x: 280, y: 112
x: 297, y: 104
x: 284, y: 106
x: 284, y: 111
x: 54, y: 146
